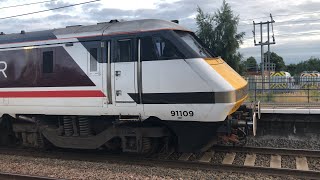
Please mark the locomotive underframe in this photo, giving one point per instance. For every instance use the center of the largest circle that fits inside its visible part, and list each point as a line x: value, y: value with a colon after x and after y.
x: 108, y: 132
x: 80, y: 132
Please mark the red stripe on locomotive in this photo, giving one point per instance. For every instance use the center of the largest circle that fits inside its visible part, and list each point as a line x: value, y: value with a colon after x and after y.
x: 49, y: 94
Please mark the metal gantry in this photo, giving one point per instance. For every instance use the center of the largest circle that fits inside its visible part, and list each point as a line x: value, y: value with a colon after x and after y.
x: 266, y: 65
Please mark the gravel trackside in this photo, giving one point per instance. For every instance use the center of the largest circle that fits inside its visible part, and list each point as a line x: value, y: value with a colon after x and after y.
x: 263, y: 160
x: 71, y: 169
x: 314, y: 164
x: 296, y: 142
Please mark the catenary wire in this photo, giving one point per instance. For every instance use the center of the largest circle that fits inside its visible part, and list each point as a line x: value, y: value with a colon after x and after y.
x: 281, y: 15
x: 27, y: 4
x: 280, y: 35
x: 287, y: 22
x: 36, y: 12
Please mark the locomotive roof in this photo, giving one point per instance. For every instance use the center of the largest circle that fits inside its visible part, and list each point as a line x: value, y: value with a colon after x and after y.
x: 97, y: 29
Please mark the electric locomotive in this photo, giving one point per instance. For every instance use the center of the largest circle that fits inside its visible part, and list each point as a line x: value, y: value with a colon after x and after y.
x: 134, y: 86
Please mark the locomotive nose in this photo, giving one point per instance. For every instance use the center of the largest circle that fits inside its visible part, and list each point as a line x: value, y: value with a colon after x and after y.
x: 239, y: 84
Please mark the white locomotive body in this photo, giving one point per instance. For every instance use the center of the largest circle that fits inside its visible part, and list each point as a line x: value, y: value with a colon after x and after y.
x: 116, y: 84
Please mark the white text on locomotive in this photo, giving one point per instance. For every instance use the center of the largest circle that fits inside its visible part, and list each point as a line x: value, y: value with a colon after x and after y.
x: 3, y: 68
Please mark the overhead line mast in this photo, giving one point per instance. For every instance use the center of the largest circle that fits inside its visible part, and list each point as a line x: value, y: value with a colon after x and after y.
x: 266, y: 64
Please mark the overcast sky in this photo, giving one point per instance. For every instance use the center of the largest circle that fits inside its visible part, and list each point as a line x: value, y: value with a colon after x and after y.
x: 297, y: 27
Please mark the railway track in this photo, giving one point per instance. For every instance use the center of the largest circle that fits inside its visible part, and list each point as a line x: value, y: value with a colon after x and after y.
x: 204, y: 161
x: 301, y: 155
x: 278, y: 151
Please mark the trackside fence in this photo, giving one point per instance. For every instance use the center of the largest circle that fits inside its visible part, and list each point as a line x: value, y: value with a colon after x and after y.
x: 284, y: 90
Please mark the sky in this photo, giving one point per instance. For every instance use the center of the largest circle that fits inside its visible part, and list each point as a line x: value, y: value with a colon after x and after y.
x: 296, y: 28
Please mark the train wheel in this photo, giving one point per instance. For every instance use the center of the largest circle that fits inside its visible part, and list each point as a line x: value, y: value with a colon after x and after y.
x: 150, y: 146
x: 114, y: 145
x: 7, y: 136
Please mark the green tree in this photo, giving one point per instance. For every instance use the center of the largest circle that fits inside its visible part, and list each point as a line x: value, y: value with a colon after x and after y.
x: 292, y: 69
x: 251, y: 63
x: 277, y: 60
x: 205, y: 32
x: 312, y: 64
x: 242, y: 68
x: 219, y: 33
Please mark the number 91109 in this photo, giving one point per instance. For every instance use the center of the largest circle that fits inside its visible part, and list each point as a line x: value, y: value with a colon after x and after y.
x: 182, y: 113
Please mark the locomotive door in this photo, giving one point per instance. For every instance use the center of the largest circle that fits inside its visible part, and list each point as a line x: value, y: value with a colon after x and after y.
x: 124, y: 73
x: 107, y: 81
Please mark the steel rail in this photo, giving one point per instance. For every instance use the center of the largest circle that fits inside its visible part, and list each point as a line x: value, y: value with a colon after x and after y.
x: 266, y: 150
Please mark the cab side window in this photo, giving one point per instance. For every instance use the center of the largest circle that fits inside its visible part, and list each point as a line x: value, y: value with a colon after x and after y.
x: 47, y: 64
x: 148, y: 49
x: 125, y: 50
x: 165, y: 49
x: 93, y: 59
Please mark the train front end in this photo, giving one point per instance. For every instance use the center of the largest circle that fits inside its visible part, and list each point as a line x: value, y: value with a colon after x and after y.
x: 239, y: 92
x: 230, y: 91
x: 241, y: 119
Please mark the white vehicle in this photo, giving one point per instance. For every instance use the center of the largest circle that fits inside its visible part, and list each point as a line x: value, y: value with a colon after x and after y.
x: 120, y: 85
x: 309, y: 79
x: 281, y: 80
